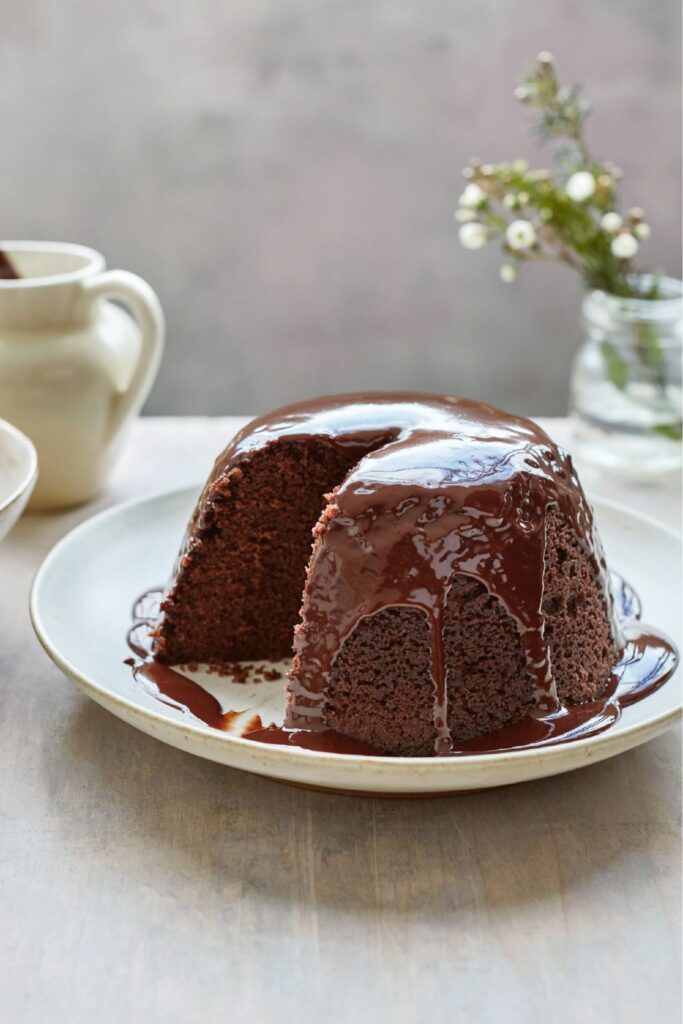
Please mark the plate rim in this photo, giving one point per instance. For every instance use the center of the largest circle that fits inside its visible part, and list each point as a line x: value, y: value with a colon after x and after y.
x: 104, y: 695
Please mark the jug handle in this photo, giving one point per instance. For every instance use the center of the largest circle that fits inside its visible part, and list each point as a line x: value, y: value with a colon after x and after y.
x: 138, y: 297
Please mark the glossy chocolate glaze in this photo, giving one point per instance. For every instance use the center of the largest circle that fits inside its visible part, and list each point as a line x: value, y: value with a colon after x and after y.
x: 646, y: 662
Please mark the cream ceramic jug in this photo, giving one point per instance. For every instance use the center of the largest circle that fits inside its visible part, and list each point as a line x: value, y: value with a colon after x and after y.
x: 74, y: 367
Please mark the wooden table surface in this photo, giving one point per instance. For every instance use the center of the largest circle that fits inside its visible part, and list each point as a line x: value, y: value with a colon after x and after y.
x: 138, y: 883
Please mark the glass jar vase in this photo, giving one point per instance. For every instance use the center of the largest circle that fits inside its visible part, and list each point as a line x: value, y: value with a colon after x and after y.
x: 626, y: 382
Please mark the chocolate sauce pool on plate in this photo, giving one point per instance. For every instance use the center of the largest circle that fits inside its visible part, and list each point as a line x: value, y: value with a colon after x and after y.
x: 646, y: 661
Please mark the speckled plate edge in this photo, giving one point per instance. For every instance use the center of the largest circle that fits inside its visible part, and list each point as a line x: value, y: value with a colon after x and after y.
x: 342, y: 772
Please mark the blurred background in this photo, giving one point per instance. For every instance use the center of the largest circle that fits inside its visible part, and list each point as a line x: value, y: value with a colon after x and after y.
x: 284, y: 173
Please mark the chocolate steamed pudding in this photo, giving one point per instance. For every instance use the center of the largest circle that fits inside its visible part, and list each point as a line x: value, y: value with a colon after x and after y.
x: 431, y: 561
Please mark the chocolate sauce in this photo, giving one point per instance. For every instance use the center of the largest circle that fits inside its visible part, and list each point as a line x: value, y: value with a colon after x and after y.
x: 169, y: 685
x: 626, y: 600
x: 442, y: 486
x: 323, y: 740
x: 8, y: 271
x: 646, y: 662
x: 454, y: 487
x: 179, y: 691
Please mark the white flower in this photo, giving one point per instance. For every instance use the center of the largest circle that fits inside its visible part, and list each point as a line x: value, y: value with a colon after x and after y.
x: 472, y: 197
x: 520, y: 234
x: 580, y: 186
x: 522, y: 92
x: 611, y: 222
x: 510, y: 200
x: 624, y: 246
x: 523, y: 198
x: 520, y: 166
x: 465, y: 215
x: 508, y: 273
x: 472, y: 236
x: 642, y: 231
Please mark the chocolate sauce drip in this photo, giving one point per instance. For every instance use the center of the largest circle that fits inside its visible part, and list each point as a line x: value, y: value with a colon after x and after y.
x: 169, y: 685
x: 179, y: 691
x: 8, y: 271
x: 323, y: 740
x: 646, y: 662
x: 626, y: 600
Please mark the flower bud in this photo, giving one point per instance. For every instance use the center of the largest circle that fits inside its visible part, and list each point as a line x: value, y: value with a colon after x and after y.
x: 472, y: 197
x: 611, y: 222
x: 580, y: 186
x: 472, y: 236
x: 520, y: 234
x: 624, y: 246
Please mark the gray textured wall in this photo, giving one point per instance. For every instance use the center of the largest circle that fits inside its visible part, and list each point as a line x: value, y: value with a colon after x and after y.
x: 284, y: 173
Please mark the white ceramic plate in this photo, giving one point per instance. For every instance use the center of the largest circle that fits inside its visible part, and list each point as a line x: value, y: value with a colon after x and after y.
x: 81, y: 610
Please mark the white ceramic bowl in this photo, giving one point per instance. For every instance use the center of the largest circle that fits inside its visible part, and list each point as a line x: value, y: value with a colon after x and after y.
x: 18, y: 474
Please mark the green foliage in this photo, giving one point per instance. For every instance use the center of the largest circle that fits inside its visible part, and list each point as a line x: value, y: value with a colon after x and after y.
x: 560, y: 110
x: 647, y: 342
x: 672, y: 431
x: 567, y: 214
x: 616, y: 365
x: 568, y: 226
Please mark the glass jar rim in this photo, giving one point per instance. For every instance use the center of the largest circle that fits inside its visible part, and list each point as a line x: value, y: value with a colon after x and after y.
x: 604, y: 310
